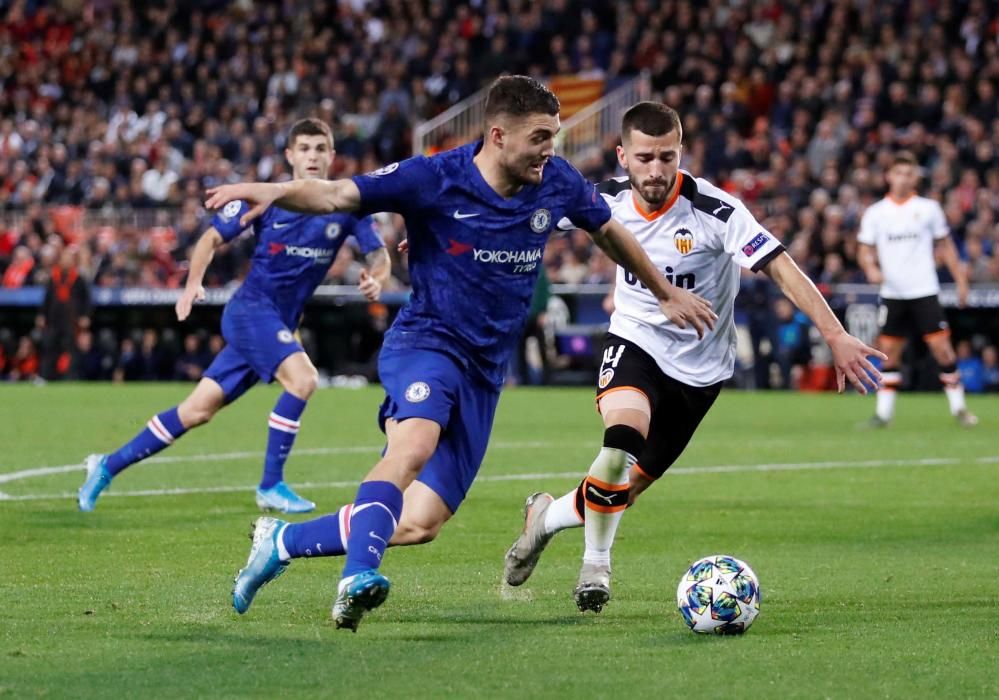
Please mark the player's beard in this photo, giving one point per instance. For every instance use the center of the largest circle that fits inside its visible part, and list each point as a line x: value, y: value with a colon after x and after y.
x: 654, y: 192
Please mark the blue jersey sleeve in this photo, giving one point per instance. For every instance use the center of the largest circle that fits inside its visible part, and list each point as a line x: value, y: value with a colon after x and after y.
x: 400, y: 187
x: 367, y: 236
x: 226, y: 221
x: 587, y: 210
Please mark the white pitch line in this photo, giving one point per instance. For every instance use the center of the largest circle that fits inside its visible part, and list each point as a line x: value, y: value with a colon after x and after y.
x: 228, y: 456
x: 686, y: 471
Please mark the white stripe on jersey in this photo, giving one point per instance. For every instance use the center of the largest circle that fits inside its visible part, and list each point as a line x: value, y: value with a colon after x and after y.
x: 903, y: 234
x: 699, y: 243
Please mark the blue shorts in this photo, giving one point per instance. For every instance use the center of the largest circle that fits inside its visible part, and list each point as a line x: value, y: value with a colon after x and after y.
x: 257, y: 342
x: 431, y: 385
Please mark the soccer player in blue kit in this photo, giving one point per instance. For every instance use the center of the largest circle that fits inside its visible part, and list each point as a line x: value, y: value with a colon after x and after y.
x: 478, y: 218
x: 291, y: 258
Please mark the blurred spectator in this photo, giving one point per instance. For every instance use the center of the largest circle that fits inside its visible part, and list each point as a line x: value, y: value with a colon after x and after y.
x: 793, y: 351
x: 990, y: 366
x: 532, y: 366
x: 89, y: 362
x: 65, y: 310
x: 23, y: 366
x: 971, y: 367
x: 192, y: 362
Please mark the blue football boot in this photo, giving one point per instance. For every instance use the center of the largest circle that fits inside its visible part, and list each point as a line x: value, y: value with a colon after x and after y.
x: 262, y: 566
x: 358, y: 594
x: 280, y: 497
x: 98, y: 479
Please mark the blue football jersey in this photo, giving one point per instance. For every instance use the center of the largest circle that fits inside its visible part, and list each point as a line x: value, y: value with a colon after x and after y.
x: 474, y: 256
x: 293, y: 252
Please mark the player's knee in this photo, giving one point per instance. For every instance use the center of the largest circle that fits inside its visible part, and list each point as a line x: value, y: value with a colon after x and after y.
x: 193, y: 416
x: 624, y: 438
x: 304, y: 384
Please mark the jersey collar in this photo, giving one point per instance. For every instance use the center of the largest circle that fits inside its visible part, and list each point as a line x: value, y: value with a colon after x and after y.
x: 653, y: 215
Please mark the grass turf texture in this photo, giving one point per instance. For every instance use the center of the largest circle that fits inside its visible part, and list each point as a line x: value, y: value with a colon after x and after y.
x: 878, y: 576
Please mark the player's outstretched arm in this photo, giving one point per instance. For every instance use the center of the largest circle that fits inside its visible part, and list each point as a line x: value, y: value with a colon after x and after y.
x: 303, y: 196
x: 849, y: 354
x: 680, y: 306
x: 376, y: 275
x: 201, y: 257
x: 867, y: 257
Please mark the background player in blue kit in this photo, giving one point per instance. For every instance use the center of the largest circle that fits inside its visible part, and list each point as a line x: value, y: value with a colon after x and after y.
x: 478, y: 218
x: 291, y: 258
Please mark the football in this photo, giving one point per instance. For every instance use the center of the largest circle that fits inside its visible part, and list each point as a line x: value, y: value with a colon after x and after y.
x: 719, y: 595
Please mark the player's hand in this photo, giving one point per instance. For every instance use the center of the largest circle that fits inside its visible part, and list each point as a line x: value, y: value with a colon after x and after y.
x: 874, y: 275
x: 403, y: 246
x: 259, y: 195
x: 685, y: 307
x: 186, y: 301
x: 962, y: 293
x: 850, y: 358
x: 369, y: 286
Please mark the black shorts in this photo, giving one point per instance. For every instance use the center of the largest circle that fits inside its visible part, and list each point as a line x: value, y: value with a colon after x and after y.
x: 677, y: 408
x: 902, y: 318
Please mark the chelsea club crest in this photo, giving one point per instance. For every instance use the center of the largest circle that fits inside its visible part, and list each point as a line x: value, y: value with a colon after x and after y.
x: 417, y: 391
x: 540, y: 220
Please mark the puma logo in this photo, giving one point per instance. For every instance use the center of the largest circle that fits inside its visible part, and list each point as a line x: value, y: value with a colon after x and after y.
x: 721, y: 208
x: 608, y: 499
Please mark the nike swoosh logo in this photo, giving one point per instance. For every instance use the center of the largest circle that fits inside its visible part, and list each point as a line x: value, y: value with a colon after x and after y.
x: 458, y: 215
x: 371, y: 533
x: 277, y: 225
x: 596, y: 493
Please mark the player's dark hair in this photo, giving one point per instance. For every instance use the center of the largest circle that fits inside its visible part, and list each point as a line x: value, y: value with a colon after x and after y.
x: 518, y: 96
x: 904, y: 158
x: 652, y: 118
x: 309, y: 127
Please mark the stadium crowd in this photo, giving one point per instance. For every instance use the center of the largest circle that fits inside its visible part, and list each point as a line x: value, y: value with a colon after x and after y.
x: 115, y: 117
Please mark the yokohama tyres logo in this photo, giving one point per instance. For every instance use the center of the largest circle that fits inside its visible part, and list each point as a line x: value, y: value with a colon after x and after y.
x: 507, y: 256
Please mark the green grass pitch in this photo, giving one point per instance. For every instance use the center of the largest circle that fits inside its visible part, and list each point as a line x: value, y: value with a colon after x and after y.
x: 878, y: 555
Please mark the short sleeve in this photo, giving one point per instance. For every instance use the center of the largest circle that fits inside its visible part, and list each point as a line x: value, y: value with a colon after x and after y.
x: 226, y: 221
x: 587, y: 209
x: 867, y: 234
x: 399, y: 187
x: 938, y: 222
x: 749, y: 244
x: 367, y: 236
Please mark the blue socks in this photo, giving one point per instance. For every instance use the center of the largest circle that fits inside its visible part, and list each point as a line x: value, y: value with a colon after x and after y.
x: 329, y: 535
x: 161, y: 430
x: 372, y: 522
x: 284, y: 425
x: 321, y: 537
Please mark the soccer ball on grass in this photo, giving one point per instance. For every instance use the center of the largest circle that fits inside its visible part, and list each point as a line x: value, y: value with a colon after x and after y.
x: 719, y: 594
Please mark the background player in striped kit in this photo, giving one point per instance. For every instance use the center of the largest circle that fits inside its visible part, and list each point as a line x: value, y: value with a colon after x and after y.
x: 900, y: 238
x: 291, y: 258
x: 658, y: 380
